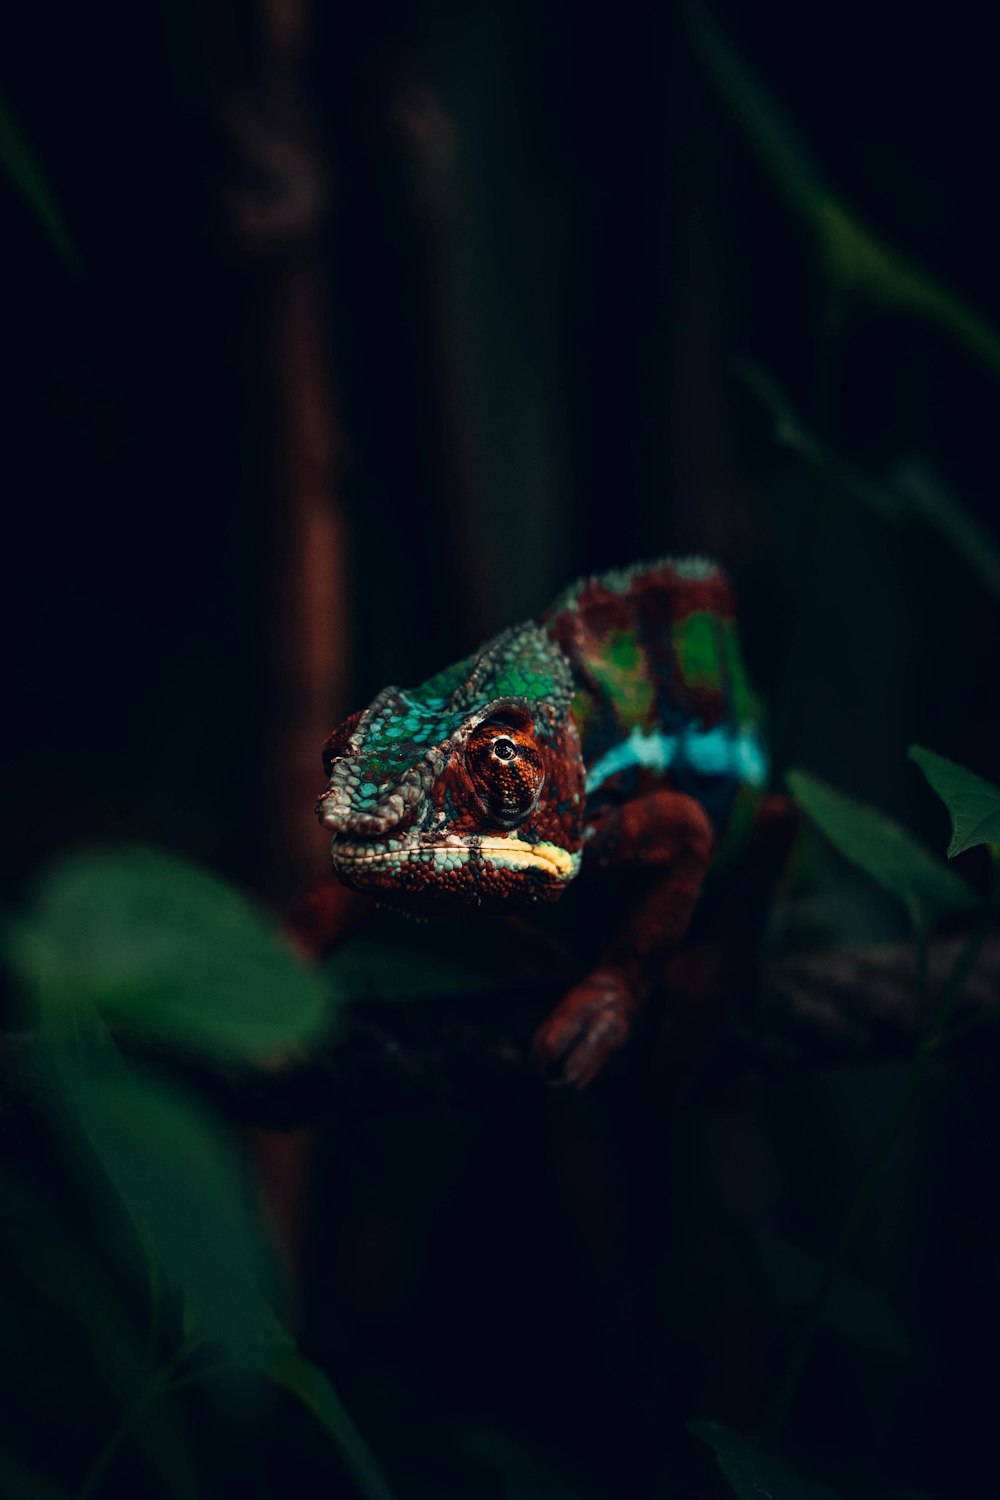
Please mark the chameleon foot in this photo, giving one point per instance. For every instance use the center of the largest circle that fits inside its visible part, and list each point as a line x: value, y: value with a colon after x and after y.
x: 586, y: 1027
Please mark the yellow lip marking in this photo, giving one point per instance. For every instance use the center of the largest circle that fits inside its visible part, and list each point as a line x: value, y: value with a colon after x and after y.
x: 543, y: 856
x: 514, y: 853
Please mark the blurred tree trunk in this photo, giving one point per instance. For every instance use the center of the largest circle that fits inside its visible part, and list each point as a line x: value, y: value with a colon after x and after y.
x: 274, y: 203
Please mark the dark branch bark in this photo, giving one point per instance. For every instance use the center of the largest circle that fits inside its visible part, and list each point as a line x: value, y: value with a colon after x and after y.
x: 844, y: 1005
x: 861, y: 1003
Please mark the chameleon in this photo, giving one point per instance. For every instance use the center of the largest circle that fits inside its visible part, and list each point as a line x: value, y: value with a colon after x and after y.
x: 616, y: 731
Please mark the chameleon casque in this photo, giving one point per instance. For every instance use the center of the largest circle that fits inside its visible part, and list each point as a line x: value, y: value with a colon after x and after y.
x: 618, y: 730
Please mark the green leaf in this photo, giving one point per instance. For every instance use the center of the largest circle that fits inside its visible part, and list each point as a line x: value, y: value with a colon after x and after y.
x: 370, y: 970
x: 20, y: 164
x: 181, y: 1182
x: 190, y: 1200
x: 154, y: 942
x: 779, y: 147
x: 925, y: 495
x: 63, y: 1272
x: 283, y: 1365
x: 754, y: 1475
x: 913, y: 491
x: 854, y: 1310
x: 791, y: 432
x: 854, y: 258
x: 498, y: 1462
x: 885, y: 851
x: 861, y: 263
x: 21, y: 1481
x: 399, y: 961
x: 973, y: 802
x: 288, y: 1368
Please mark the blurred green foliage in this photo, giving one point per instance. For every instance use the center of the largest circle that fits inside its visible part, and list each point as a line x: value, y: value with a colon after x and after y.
x: 19, y: 162
x: 394, y: 959
x: 885, y: 851
x: 153, y: 942
x: 752, y: 1473
x: 912, y: 492
x: 972, y: 802
x: 855, y: 1310
x: 147, y: 940
x: 855, y: 261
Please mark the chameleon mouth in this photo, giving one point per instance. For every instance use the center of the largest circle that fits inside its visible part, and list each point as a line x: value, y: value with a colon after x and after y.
x: 495, y: 854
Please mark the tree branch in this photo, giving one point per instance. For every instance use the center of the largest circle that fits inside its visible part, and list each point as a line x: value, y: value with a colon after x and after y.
x: 861, y: 1003
x: 840, y: 1006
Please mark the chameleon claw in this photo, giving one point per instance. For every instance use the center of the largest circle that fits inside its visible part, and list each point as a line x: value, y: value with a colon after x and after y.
x: 586, y: 1027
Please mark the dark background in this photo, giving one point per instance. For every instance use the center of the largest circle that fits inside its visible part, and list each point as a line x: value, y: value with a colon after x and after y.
x: 377, y: 326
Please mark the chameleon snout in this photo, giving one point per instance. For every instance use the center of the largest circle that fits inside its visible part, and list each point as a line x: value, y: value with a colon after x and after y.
x: 336, y: 813
x: 356, y: 813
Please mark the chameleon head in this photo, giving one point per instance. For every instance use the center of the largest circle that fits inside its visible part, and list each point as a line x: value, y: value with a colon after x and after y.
x: 468, y: 789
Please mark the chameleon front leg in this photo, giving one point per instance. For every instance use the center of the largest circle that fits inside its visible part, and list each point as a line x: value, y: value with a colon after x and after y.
x: 671, y: 835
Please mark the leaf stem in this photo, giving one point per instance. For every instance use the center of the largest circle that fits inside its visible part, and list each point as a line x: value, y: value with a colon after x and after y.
x: 209, y: 1372
x: 158, y: 1383
x: 101, y: 1465
x: 979, y: 1018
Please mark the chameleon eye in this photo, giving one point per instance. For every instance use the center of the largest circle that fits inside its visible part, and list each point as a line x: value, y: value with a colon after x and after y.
x: 507, y: 770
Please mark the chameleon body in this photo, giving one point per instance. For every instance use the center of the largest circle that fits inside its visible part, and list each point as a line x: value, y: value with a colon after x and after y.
x: 617, y: 730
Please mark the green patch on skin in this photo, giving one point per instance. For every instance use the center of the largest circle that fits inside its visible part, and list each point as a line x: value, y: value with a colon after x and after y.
x: 742, y: 700
x: 697, y: 645
x: 581, y: 709
x: 436, y: 691
x: 621, y: 674
x: 530, y: 666
x: 521, y: 684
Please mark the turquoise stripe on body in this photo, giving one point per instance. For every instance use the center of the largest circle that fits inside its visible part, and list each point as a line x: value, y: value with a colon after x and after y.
x: 722, y: 751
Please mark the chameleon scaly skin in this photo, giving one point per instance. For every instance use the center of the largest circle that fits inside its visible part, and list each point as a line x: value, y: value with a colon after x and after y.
x: 468, y: 788
x: 619, y: 728
x: 662, y: 696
